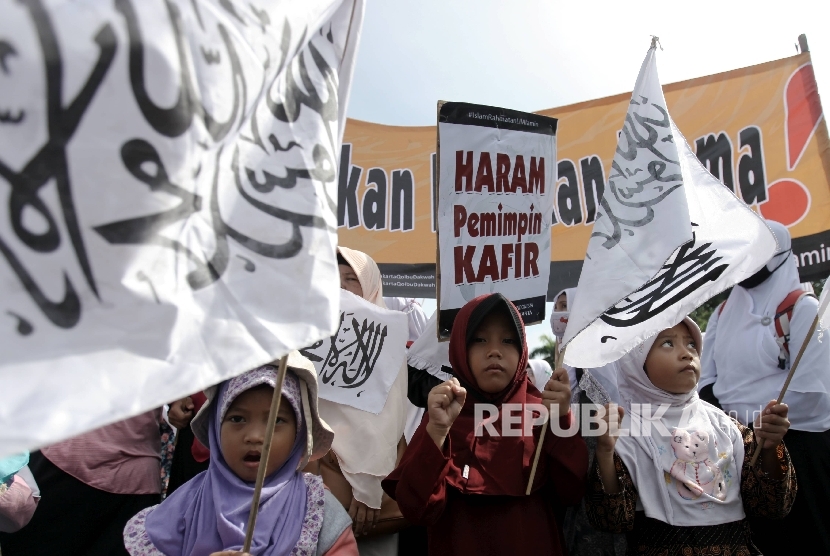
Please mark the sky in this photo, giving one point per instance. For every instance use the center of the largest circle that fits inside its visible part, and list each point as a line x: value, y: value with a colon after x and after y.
x: 531, y: 55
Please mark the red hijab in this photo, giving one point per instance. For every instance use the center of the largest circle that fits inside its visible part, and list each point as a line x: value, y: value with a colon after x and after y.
x: 498, y: 465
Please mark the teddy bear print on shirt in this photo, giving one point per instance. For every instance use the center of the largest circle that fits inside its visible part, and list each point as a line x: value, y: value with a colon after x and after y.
x: 693, y: 470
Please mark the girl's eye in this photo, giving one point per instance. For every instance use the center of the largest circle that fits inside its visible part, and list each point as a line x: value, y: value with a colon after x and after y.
x: 235, y: 419
x: 509, y: 340
x: 692, y: 346
x: 667, y: 343
x: 478, y: 340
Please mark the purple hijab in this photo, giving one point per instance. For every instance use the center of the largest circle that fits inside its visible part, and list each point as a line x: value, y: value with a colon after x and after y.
x: 210, y: 512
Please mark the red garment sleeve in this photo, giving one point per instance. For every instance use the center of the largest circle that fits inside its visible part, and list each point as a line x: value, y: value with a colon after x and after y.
x: 567, y: 462
x: 419, y: 483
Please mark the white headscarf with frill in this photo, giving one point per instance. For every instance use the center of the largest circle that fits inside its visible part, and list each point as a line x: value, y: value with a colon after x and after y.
x: 690, y: 476
x: 365, y: 443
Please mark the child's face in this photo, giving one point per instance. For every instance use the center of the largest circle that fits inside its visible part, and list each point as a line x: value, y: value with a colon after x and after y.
x: 493, y: 353
x: 349, y: 281
x: 561, y: 303
x: 673, y: 363
x: 243, y: 433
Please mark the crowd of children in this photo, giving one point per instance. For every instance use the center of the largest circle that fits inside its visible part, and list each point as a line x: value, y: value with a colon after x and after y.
x: 341, y: 481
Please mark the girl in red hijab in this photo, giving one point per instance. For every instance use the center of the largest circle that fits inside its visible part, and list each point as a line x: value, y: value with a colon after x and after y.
x: 469, y: 487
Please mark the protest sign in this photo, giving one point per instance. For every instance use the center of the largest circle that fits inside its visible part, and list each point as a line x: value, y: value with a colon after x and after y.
x: 495, y: 201
x: 667, y: 236
x: 760, y: 130
x: 170, y: 175
x: 359, y: 363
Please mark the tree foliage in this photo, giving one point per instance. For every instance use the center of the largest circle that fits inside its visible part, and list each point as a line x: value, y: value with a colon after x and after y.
x: 546, y: 351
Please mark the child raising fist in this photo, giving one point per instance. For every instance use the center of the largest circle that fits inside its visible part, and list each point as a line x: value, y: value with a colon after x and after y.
x: 467, y: 482
x: 444, y: 404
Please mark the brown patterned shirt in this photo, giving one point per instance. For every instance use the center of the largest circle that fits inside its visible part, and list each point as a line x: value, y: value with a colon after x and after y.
x: 762, y: 496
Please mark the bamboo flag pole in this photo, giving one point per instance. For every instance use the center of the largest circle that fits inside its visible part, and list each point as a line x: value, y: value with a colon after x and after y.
x: 266, y: 449
x: 559, y: 358
x: 821, y: 310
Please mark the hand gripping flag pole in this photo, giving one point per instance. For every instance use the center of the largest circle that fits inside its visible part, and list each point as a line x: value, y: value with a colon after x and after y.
x: 559, y: 358
x: 825, y: 301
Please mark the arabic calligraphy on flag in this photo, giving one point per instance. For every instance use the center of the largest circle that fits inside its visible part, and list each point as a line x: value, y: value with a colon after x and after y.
x: 668, y: 236
x: 170, y: 218
x: 359, y: 363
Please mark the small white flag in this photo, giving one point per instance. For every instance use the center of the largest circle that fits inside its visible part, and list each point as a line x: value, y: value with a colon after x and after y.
x: 668, y: 236
x: 359, y: 363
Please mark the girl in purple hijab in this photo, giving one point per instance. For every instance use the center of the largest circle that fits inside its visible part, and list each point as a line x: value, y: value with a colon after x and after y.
x: 209, y: 514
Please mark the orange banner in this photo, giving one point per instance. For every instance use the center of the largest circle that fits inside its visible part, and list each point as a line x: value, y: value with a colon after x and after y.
x: 760, y: 130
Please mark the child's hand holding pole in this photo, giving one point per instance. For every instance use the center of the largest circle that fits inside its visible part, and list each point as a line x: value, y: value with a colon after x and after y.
x: 557, y: 397
x: 770, y: 428
x: 605, y: 448
x: 557, y: 393
x: 444, y: 404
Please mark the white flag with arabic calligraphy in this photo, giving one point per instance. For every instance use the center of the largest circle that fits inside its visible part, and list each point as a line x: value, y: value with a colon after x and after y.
x: 358, y: 365
x: 668, y: 236
x: 168, y: 170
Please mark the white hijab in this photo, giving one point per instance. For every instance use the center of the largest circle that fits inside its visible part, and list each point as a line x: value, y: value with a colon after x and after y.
x: 413, y: 310
x: 430, y: 355
x: 540, y: 372
x: 692, y: 475
x: 742, y: 356
x: 366, y: 444
x: 559, y: 319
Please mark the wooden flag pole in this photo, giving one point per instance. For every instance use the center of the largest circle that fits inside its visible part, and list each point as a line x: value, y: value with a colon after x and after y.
x: 813, y: 327
x: 559, y: 358
x: 266, y: 449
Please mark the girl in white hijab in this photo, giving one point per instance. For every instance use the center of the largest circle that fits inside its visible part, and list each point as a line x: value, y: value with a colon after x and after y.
x: 680, y: 482
x: 746, y: 366
x: 365, y: 447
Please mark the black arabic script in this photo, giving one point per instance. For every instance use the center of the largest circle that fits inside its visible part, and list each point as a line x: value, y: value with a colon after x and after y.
x: 644, y: 171
x: 692, y: 267
x: 353, y: 352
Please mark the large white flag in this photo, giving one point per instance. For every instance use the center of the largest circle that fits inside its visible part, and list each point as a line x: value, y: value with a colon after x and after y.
x: 359, y: 363
x: 168, y: 174
x: 668, y: 236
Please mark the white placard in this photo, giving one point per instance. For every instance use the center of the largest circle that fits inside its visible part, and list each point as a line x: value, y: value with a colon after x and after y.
x: 497, y: 183
x: 169, y: 180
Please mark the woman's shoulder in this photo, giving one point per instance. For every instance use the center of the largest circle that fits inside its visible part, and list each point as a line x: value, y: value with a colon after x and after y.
x: 336, y: 520
x: 325, y: 507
